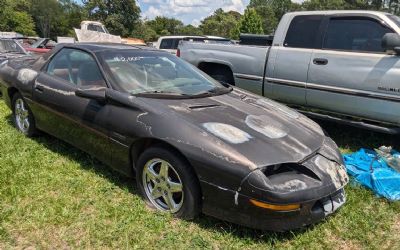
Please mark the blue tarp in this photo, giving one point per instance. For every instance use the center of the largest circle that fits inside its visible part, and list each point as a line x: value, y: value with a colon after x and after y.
x: 369, y: 169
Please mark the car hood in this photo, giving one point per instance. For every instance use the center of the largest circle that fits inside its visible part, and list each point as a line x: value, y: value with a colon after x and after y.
x: 239, y: 127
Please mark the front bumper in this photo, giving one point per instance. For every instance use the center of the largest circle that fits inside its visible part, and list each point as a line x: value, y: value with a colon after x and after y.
x: 236, y: 208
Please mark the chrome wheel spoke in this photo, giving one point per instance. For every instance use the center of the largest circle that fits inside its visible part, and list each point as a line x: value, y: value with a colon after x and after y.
x: 174, y: 187
x: 156, y: 193
x: 169, y: 201
x: 151, y: 175
x: 25, y: 123
x: 24, y: 114
x: 164, y: 169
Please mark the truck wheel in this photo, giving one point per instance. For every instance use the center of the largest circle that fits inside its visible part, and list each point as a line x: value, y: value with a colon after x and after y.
x: 168, y: 183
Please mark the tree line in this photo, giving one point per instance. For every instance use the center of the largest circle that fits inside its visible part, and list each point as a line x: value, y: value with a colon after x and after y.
x: 52, y: 18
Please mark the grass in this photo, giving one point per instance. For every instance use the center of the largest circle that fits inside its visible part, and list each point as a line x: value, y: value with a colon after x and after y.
x: 54, y: 196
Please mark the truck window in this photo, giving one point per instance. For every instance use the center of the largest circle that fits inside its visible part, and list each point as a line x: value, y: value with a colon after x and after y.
x: 169, y: 43
x: 94, y: 27
x: 302, y: 32
x: 358, y: 34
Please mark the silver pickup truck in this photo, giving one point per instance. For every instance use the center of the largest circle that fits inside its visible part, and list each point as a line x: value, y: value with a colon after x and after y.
x: 337, y: 65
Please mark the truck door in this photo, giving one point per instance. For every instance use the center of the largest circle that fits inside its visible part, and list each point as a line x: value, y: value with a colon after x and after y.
x: 289, y: 59
x: 352, y: 74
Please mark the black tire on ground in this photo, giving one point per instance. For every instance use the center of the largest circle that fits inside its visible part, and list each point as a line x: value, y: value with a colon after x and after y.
x: 190, y: 206
x: 19, y: 112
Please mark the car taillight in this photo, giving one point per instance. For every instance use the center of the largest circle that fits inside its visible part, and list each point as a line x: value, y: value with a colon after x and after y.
x: 178, y: 53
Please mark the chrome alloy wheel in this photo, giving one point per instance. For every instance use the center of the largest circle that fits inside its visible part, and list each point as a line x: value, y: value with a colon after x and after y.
x: 21, y: 115
x: 162, y: 185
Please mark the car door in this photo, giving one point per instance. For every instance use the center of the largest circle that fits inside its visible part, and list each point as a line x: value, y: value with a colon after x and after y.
x: 78, y: 121
x: 351, y: 73
x: 289, y: 60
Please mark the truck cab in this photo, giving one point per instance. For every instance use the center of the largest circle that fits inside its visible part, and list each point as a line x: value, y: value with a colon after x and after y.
x: 334, y: 61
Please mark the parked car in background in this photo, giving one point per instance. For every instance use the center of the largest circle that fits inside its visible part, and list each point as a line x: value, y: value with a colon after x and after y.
x: 92, y: 31
x: 195, y: 145
x: 342, y: 66
x: 9, y: 48
x: 41, y: 46
x: 170, y: 43
x: 26, y: 42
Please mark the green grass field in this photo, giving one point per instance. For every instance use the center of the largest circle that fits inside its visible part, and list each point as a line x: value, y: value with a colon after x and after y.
x: 54, y: 196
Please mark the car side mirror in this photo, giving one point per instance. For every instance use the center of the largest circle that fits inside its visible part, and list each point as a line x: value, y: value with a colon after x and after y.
x: 391, y: 42
x: 93, y: 93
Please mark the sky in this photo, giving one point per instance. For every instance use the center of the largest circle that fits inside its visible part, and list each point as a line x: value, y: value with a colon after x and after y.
x: 188, y: 11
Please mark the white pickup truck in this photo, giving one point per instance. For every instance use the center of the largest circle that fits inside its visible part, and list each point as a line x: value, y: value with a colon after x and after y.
x: 337, y: 65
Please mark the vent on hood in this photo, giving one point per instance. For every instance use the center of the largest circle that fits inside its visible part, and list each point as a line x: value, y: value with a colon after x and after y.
x: 203, y: 106
x: 286, y: 168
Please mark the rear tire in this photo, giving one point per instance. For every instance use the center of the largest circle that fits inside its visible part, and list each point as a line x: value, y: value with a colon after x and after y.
x: 168, y: 183
x: 22, y: 116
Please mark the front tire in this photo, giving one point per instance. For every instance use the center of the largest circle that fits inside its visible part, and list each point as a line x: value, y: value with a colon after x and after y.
x: 22, y: 116
x: 168, y: 183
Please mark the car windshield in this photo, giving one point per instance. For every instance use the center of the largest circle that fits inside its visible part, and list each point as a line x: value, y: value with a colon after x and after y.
x: 38, y: 43
x: 10, y: 46
x: 150, y: 72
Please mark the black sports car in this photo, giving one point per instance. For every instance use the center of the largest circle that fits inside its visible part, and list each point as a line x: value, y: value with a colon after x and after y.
x: 194, y: 144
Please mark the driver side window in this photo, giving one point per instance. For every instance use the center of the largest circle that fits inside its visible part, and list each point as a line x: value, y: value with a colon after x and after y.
x: 76, y: 67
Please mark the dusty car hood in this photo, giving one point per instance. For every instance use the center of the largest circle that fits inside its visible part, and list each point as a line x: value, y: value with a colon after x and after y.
x: 248, y: 126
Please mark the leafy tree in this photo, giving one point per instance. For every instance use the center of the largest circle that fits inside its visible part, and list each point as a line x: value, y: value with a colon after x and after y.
x: 14, y: 17
x: 74, y: 14
x: 221, y: 23
x: 324, y: 5
x: 267, y: 14
x: 250, y: 23
x: 165, y: 26
x: 145, y: 32
x: 48, y: 17
x: 280, y: 7
x: 119, y: 16
x: 189, y: 30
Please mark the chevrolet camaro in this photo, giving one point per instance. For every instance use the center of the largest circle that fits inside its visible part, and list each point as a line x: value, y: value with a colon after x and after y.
x: 194, y: 145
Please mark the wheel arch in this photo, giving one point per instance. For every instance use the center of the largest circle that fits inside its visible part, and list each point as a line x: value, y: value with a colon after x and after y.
x: 139, y: 146
x: 11, y: 91
x: 217, y: 68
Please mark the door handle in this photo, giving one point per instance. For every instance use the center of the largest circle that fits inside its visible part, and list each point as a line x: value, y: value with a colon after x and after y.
x: 320, y: 61
x: 39, y: 89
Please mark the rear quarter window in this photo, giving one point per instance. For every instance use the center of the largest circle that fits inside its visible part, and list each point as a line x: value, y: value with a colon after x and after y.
x: 169, y: 43
x: 302, y: 32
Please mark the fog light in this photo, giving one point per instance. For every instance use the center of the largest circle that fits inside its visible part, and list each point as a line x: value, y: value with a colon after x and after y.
x: 290, y: 207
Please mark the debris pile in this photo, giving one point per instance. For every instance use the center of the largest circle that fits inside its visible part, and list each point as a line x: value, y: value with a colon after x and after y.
x: 376, y: 169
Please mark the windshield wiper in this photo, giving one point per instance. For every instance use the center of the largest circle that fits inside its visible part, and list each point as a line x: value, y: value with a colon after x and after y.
x: 159, y: 92
x: 215, y: 91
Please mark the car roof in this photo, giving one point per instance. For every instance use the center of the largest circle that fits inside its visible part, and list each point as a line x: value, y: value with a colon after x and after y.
x: 333, y: 12
x: 176, y: 37
x: 97, y: 47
